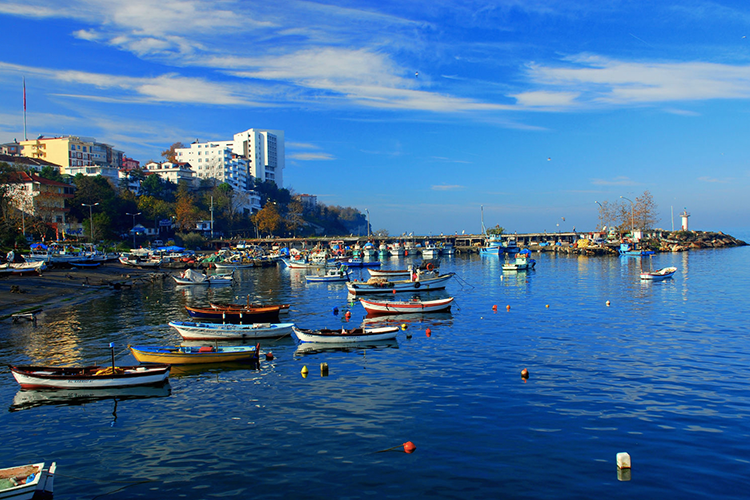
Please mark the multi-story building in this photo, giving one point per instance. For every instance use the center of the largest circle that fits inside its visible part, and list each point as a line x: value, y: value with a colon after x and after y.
x: 172, y: 172
x: 261, y: 150
x: 26, y: 163
x: 10, y: 148
x: 76, y: 155
x: 38, y: 197
x: 308, y: 201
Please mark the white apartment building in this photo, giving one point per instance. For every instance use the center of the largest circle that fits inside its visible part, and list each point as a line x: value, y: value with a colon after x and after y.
x: 173, y: 172
x: 254, y: 152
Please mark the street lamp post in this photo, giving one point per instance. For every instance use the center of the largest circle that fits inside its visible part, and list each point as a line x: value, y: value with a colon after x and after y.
x: 91, y: 217
x: 368, y: 223
x: 632, y: 217
x: 134, y: 215
x: 602, y: 208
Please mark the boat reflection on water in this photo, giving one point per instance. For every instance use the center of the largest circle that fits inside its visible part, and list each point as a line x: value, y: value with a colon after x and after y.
x: 308, y: 348
x: 180, y: 371
x: 433, y: 318
x: 32, y: 398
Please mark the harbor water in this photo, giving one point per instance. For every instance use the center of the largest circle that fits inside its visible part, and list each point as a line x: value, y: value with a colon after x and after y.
x: 660, y: 370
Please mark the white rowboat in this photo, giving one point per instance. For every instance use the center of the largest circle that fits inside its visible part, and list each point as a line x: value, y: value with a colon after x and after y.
x: 88, y: 377
x: 346, y: 336
x: 25, y: 481
x: 219, y: 331
x: 406, y: 306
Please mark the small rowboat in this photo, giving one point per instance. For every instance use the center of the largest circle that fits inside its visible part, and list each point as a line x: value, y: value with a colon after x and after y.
x: 659, y: 275
x: 27, y: 481
x: 406, y: 306
x: 283, y: 308
x: 346, y: 336
x: 214, y: 331
x: 266, y: 314
x: 88, y: 377
x: 182, y: 355
x: 191, y: 277
x: 379, y: 285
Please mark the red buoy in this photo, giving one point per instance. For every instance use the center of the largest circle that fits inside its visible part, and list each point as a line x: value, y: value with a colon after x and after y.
x: 428, y: 332
x: 494, y: 308
x: 269, y: 356
x: 409, y: 447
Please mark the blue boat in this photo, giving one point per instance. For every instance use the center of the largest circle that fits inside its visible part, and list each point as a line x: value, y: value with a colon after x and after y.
x: 493, y: 246
x: 632, y: 250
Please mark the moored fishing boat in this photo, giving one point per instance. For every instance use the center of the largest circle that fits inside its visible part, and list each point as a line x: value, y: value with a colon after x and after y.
x: 214, y: 331
x: 659, y: 275
x: 331, y: 276
x: 192, y: 277
x: 346, y: 336
x: 181, y: 355
x: 379, y: 285
x: 27, y: 481
x: 266, y: 314
x: 406, y: 306
x: 227, y: 306
x: 426, y: 268
x: 521, y: 262
x: 22, y: 267
x: 89, y: 377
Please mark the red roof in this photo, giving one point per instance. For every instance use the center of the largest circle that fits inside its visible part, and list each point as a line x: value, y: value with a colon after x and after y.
x: 24, y: 178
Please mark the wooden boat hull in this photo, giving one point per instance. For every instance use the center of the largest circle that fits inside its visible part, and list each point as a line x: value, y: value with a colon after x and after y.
x: 424, y: 284
x: 211, y: 280
x: 283, y: 308
x: 347, y: 336
x: 185, y: 355
x: 213, y: 331
x: 401, y: 307
x: 41, y: 377
x: 269, y: 314
x: 41, y: 485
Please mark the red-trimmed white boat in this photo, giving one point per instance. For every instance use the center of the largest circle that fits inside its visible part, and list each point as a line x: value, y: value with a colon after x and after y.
x: 406, y: 306
x: 380, y: 285
x: 659, y: 275
x: 26, y: 481
x: 88, y: 377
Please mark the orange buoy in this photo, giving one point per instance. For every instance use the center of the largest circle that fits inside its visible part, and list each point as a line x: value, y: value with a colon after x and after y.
x: 428, y: 332
x: 494, y: 307
x: 409, y: 447
x: 525, y: 373
x: 507, y: 307
x: 348, y: 314
x: 394, y: 291
x: 607, y: 302
x: 269, y: 356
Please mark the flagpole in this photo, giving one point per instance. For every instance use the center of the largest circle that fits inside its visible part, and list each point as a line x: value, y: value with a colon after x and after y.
x: 25, y: 138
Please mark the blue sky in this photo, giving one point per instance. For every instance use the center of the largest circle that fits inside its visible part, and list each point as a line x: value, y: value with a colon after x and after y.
x: 532, y: 109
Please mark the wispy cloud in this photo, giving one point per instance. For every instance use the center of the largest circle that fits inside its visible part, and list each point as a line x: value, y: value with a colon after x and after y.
x: 601, y: 80
x: 311, y: 156
x: 447, y: 187
x: 714, y: 180
x: 616, y: 181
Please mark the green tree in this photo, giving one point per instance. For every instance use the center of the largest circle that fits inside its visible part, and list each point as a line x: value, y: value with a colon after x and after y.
x: 51, y: 173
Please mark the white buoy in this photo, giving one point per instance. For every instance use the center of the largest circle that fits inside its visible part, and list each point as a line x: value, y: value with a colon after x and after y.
x: 623, y: 460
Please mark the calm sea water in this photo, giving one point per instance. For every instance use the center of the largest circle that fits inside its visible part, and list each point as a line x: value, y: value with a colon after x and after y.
x: 662, y: 372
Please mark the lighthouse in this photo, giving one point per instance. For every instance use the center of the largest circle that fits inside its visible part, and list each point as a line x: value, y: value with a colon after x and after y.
x: 685, y: 216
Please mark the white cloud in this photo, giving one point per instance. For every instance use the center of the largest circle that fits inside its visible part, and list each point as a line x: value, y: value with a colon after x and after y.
x: 447, y: 187
x: 310, y: 156
x: 714, y: 180
x: 616, y: 181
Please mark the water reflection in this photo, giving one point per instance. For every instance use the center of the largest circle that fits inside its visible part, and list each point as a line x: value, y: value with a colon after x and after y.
x: 32, y: 398
x: 308, y: 348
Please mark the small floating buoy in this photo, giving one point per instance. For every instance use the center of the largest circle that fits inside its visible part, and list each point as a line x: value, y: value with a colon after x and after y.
x: 428, y: 332
x: 494, y: 307
x: 269, y: 356
x: 323, y: 369
x: 607, y: 303
x: 623, y: 460
x: 335, y: 311
x: 348, y: 314
x: 394, y: 291
x: 403, y: 326
x: 507, y: 307
x: 409, y: 447
x: 304, y: 371
x: 524, y: 373
x: 408, y: 335
x: 547, y: 306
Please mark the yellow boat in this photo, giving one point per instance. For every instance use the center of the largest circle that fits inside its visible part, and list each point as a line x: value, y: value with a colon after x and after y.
x: 183, y: 355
